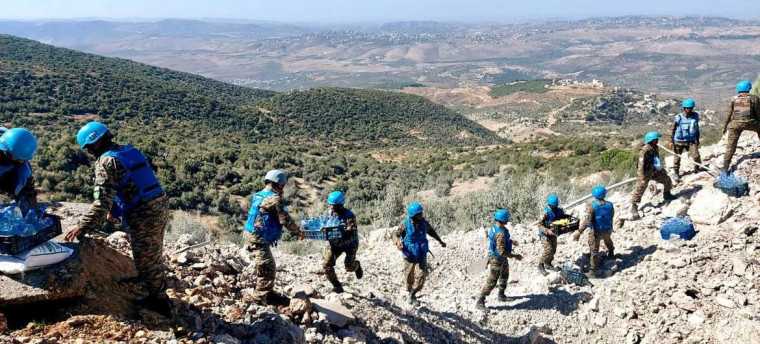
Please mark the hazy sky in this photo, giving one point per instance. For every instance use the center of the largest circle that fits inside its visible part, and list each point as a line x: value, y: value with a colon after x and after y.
x: 369, y: 10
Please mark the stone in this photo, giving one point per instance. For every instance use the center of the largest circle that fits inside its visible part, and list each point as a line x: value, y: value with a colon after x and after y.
x: 683, y: 301
x: 600, y: 321
x: 62, y: 281
x: 620, y: 312
x: 303, y: 292
x: 677, y: 208
x: 725, y: 302
x: 225, y: 339
x: 198, y: 266
x: 739, y: 266
x: 679, y: 262
x: 201, y: 281
x: 593, y: 305
x: 335, y: 313
x: 696, y: 319
x: 710, y: 207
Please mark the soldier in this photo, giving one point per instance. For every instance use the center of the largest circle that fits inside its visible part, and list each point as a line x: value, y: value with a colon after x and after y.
x: 127, y: 188
x: 266, y: 218
x: 17, y: 147
x: 684, y: 136
x: 552, y: 212
x: 650, y: 167
x: 411, y: 240
x: 743, y: 114
x: 348, y: 243
x: 599, y: 216
x: 499, y: 249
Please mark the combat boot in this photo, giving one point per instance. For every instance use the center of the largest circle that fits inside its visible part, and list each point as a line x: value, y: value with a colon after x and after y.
x: 159, y: 304
x: 542, y: 269
x: 501, y: 296
x: 611, y: 254
x: 338, y: 289
x: 481, y: 304
x: 635, y: 212
x: 359, y: 272
x: 676, y: 176
x: 413, y: 299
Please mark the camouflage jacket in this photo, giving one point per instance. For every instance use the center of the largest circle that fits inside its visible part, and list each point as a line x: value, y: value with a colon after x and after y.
x: 108, y: 173
x: 743, y: 108
x: 647, y: 156
x: 351, y: 233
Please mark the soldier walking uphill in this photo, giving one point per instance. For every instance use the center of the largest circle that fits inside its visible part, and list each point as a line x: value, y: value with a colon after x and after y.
x: 127, y: 188
x: 266, y: 218
x: 599, y: 216
x: 743, y: 114
x: 552, y: 213
x: 348, y: 243
x: 684, y: 136
x: 411, y: 240
x: 17, y: 147
x: 499, y: 249
x: 650, y: 168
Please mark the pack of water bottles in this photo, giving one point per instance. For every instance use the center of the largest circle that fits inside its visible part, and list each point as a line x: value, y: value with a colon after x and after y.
x: 323, y: 227
x: 732, y: 185
x: 677, y: 227
x: 20, y: 233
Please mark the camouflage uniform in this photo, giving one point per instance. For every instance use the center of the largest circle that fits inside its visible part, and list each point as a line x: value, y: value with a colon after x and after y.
x: 260, y: 249
x: 743, y: 114
x: 414, y: 281
x: 679, y: 147
x: 549, y: 242
x: 147, y: 222
x: 348, y: 244
x: 498, y: 268
x: 647, y: 172
x: 26, y: 198
x: 594, y: 239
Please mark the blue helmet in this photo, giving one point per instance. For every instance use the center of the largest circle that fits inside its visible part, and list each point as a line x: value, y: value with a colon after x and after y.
x: 744, y: 86
x: 501, y: 215
x: 599, y: 192
x: 552, y: 200
x: 336, y: 198
x: 276, y: 176
x: 651, y: 136
x: 414, y: 209
x: 688, y: 103
x: 90, y: 133
x: 19, y: 143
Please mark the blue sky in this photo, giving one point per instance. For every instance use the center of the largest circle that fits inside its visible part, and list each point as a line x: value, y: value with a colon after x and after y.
x: 369, y: 10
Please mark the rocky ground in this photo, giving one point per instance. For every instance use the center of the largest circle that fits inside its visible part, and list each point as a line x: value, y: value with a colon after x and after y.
x: 705, y: 290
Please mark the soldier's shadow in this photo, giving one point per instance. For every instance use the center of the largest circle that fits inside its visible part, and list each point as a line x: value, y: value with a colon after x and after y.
x: 746, y: 157
x: 424, y: 323
x: 560, y: 300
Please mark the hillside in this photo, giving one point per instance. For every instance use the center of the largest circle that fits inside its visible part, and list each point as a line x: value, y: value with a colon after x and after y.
x: 653, y: 292
x: 371, y: 117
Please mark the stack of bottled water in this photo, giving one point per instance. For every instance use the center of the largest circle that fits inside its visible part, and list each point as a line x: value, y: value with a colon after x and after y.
x: 12, y: 222
x: 323, y: 227
x: 732, y: 184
